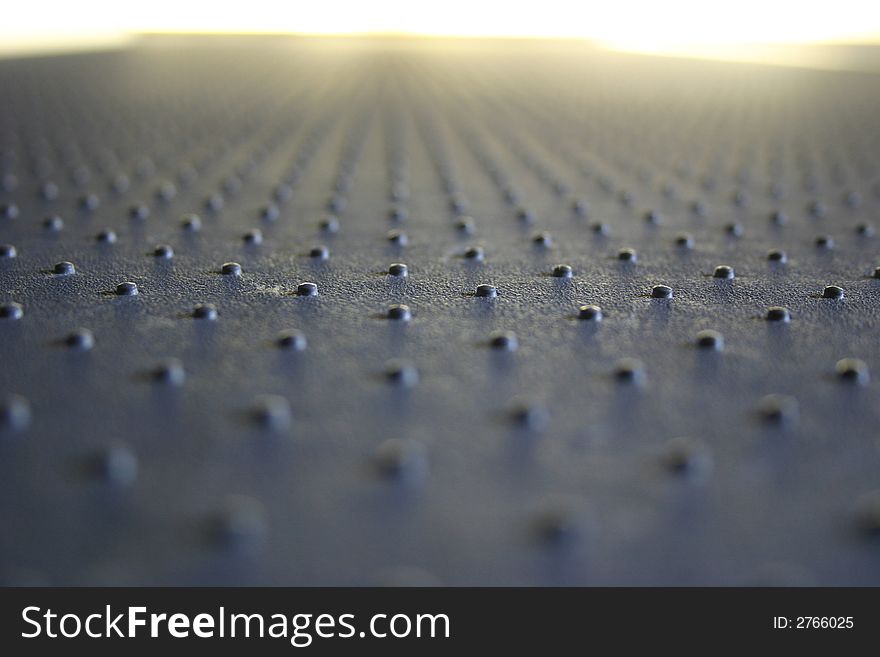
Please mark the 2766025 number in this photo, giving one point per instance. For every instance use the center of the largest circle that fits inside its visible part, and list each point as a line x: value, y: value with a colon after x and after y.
x: 824, y: 622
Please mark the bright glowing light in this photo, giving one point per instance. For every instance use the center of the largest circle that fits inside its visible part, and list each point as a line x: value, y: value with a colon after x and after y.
x: 664, y: 26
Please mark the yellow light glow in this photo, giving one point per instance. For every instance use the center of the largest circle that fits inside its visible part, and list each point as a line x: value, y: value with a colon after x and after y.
x: 668, y: 26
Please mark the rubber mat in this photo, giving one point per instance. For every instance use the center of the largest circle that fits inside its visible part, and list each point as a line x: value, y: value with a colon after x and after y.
x: 317, y: 311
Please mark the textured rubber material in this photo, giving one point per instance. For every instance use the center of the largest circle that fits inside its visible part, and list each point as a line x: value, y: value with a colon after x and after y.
x: 235, y: 380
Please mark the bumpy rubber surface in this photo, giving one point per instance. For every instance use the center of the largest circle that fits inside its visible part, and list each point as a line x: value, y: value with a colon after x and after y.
x: 233, y: 426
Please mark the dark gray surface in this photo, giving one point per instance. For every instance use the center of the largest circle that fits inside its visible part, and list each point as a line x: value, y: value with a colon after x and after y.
x: 230, y: 491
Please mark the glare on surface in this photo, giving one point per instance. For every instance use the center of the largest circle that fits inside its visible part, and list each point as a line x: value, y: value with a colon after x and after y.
x: 655, y: 26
